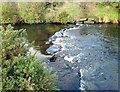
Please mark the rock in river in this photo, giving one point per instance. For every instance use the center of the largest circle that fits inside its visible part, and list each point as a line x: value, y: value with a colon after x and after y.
x: 56, y: 35
x: 52, y: 49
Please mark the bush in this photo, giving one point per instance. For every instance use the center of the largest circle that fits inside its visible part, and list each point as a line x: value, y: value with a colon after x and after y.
x: 113, y: 4
x: 0, y: 61
x: 20, y: 70
x: 29, y: 12
x: 9, y: 12
x: 64, y: 17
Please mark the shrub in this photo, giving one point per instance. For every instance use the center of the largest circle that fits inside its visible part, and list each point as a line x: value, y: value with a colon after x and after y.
x: 20, y: 70
x: 0, y: 61
x: 29, y: 12
x: 64, y: 17
x: 9, y: 12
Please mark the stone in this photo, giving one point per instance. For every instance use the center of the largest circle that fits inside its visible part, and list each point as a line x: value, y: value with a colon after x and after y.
x: 52, y: 49
x: 115, y: 21
x: 100, y: 20
x: 89, y: 22
x: 53, y: 58
x: 58, y: 34
x: 105, y: 19
x: 84, y: 19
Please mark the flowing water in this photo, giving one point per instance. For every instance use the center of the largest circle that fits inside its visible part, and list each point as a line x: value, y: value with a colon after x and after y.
x: 86, y: 55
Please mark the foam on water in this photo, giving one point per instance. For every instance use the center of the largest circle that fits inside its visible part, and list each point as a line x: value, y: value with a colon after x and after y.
x: 87, y: 55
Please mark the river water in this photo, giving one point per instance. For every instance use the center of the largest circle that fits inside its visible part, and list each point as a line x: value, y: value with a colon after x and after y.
x: 85, y: 55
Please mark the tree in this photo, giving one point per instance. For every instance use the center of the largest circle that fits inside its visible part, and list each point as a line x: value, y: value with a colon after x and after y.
x: 20, y: 70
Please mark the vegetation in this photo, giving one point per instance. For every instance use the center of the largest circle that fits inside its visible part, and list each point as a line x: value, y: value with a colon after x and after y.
x: 103, y: 8
x: 31, y: 12
x: 112, y: 4
x: 9, y: 13
x: 0, y: 61
x: 57, y: 12
x: 20, y: 70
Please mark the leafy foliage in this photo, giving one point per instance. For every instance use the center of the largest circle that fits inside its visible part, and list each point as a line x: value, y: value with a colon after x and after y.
x: 20, y: 70
x: 29, y: 12
x: 0, y: 61
x: 64, y: 17
x: 55, y: 12
x: 113, y: 4
x: 101, y: 11
x: 10, y: 14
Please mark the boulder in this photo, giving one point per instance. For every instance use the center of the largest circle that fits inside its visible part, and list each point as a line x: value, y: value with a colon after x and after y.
x: 106, y: 19
x: 100, y: 20
x: 84, y: 19
x: 115, y: 21
x: 56, y: 35
x: 52, y: 49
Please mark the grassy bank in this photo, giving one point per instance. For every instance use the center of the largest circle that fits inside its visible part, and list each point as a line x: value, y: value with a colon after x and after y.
x: 105, y: 14
x: 58, y: 12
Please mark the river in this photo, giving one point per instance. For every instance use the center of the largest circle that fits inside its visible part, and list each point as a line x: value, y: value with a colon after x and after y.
x: 85, y: 55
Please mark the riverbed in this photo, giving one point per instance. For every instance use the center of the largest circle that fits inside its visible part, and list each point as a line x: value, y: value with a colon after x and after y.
x: 85, y: 55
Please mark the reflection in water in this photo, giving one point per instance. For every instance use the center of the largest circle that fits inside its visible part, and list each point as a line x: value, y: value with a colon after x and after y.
x: 83, y: 31
x: 40, y: 34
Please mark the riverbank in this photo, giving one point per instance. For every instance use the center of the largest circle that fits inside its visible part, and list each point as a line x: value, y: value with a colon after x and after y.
x: 60, y: 12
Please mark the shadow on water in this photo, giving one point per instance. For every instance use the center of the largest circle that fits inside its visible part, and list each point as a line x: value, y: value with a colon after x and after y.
x: 39, y: 33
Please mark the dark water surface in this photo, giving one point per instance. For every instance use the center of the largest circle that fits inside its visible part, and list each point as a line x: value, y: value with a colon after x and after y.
x: 86, y: 55
x: 40, y: 34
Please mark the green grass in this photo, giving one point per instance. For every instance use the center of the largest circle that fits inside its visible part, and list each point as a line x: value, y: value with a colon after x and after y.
x: 101, y: 11
x: 56, y: 12
x: 0, y: 77
x: 71, y: 8
x: 73, y: 11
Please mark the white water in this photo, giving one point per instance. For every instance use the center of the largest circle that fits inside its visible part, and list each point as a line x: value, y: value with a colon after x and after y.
x: 88, y: 56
